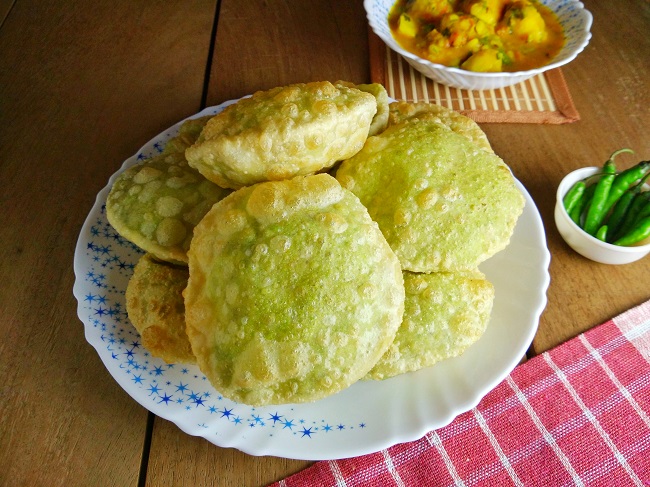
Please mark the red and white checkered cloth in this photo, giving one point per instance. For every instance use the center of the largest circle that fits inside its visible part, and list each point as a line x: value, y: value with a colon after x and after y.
x: 576, y: 415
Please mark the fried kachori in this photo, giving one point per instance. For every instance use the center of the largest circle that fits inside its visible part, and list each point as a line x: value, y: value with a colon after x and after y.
x: 156, y: 204
x: 380, y: 120
x: 155, y: 306
x: 444, y: 313
x: 188, y: 133
x: 295, y: 285
x: 283, y: 132
x: 443, y: 203
x: 403, y: 111
x: 293, y: 294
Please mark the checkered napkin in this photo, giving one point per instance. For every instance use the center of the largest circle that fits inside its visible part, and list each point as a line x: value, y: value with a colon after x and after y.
x: 576, y: 415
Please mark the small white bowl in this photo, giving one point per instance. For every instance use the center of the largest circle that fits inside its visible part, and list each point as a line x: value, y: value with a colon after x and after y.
x: 574, y: 18
x: 581, y: 241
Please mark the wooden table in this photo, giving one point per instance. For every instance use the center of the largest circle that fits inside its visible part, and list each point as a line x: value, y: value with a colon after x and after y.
x: 84, y: 84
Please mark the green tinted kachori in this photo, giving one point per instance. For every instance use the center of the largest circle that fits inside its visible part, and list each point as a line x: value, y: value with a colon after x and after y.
x: 293, y: 293
x: 156, y: 204
x: 443, y: 203
x: 444, y: 313
x: 404, y: 111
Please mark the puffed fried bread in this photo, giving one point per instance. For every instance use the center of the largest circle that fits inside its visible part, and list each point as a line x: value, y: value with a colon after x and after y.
x: 444, y: 313
x: 443, y: 203
x: 403, y: 111
x: 155, y: 306
x: 284, y: 132
x: 156, y: 204
x: 380, y: 120
x: 293, y: 292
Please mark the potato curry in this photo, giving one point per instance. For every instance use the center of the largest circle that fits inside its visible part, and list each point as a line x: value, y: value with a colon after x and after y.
x: 478, y: 35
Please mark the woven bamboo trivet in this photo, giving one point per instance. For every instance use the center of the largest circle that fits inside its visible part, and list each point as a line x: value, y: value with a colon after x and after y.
x: 544, y: 98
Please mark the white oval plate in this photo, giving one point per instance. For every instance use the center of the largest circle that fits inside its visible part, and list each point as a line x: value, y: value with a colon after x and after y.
x: 362, y: 419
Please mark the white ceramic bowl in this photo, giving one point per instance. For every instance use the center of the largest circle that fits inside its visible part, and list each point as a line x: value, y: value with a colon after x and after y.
x: 581, y: 241
x: 575, y: 20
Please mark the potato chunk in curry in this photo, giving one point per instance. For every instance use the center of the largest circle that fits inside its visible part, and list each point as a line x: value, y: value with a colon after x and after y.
x: 478, y: 35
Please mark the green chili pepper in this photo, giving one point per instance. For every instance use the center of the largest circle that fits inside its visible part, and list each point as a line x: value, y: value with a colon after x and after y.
x: 575, y: 214
x: 596, y: 212
x: 645, y: 211
x: 640, y: 232
x: 631, y: 216
x: 615, y: 219
x: 579, y: 213
x: 620, y: 151
x: 624, y: 180
x: 587, y: 193
x: 573, y: 196
x: 601, y: 234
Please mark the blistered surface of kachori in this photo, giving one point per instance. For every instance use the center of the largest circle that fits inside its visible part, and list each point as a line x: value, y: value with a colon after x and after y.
x: 155, y: 306
x: 402, y: 111
x: 442, y: 203
x: 293, y: 294
x: 283, y: 132
x: 444, y: 313
x: 156, y: 204
x: 188, y: 133
x: 380, y: 120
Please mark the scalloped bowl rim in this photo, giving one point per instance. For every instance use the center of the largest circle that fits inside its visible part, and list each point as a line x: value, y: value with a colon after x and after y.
x: 561, y: 61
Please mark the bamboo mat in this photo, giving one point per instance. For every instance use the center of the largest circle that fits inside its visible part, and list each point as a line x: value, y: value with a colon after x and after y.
x: 545, y: 98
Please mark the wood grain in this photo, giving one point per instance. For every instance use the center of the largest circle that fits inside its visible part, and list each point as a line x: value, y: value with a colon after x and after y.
x: 5, y: 8
x: 83, y: 86
x: 178, y: 459
x: 260, y: 45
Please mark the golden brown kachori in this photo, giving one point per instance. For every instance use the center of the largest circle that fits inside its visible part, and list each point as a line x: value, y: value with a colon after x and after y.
x: 155, y: 306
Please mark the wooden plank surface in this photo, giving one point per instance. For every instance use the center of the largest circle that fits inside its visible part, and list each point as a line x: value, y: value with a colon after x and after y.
x: 82, y: 86
x: 5, y: 8
x: 177, y: 459
x: 260, y: 45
